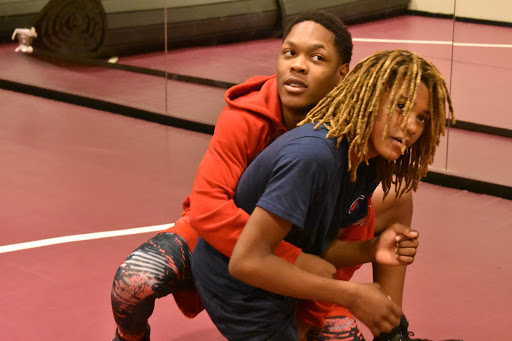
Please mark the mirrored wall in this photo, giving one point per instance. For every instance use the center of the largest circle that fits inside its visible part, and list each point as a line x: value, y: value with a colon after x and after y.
x: 470, y: 46
x: 481, y: 73
x: 175, y: 59
x: 91, y: 52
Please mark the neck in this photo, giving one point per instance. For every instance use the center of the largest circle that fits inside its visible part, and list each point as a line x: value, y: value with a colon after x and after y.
x: 355, y: 160
x: 292, y: 118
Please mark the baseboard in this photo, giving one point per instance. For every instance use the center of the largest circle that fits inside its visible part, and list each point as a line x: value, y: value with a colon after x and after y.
x: 471, y: 185
x: 433, y: 177
x: 110, y: 107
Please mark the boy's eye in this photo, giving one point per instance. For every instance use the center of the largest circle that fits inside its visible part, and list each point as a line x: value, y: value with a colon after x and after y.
x: 318, y: 58
x: 289, y: 53
x: 422, y: 118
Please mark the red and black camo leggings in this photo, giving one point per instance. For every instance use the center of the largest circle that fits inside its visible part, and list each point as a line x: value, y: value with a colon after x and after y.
x: 161, y: 266
x: 155, y: 269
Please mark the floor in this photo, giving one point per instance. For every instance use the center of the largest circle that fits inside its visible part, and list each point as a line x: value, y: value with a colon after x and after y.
x: 82, y: 188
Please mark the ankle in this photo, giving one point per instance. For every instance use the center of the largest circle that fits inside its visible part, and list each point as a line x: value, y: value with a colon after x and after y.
x: 131, y: 335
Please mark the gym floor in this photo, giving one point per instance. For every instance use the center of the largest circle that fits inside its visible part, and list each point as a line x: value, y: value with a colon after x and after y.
x: 82, y: 188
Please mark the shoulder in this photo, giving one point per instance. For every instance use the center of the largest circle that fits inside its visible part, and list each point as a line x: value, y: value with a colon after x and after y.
x: 233, y: 122
x: 310, y: 144
x: 308, y: 152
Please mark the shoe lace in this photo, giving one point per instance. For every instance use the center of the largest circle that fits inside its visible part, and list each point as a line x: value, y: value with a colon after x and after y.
x: 410, y: 334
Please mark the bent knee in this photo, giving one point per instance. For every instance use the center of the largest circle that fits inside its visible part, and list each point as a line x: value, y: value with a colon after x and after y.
x: 130, y: 285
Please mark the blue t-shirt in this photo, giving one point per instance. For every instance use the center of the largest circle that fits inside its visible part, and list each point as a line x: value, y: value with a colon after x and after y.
x: 302, y: 177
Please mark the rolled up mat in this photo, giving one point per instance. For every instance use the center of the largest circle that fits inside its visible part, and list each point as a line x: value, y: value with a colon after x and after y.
x: 86, y: 29
x: 71, y: 27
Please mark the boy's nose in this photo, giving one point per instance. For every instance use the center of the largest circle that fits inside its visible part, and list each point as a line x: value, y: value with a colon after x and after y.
x: 412, y: 124
x: 299, y: 65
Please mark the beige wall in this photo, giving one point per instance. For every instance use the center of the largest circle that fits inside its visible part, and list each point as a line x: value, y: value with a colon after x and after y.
x: 495, y: 10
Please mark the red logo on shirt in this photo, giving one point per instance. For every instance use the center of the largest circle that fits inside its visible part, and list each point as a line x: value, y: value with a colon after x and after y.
x: 355, y: 204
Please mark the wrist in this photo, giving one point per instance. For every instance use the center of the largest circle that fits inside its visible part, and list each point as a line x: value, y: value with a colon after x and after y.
x: 351, y: 293
x: 371, y: 249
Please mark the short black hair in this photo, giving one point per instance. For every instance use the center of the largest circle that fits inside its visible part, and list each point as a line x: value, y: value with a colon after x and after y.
x: 342, y: 37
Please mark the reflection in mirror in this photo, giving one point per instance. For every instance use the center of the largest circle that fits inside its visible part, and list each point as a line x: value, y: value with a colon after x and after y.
x: 83, y: 48
x: 217, y: 44
x: 478, y: 149
x: 220, y: 49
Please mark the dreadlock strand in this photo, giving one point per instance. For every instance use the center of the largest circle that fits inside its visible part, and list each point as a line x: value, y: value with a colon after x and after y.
x: 394, y: 96
x: 370, y: 105
x: 413, y: 80
x: 348, y: 113
x: 388, y: 67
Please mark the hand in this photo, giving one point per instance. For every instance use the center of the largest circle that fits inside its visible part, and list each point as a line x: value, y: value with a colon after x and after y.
x: 375, y: 309
x: 397, y: 245
x: 315, y: 265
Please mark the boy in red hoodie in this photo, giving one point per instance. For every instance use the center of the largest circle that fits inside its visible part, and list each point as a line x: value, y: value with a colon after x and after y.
x: 314, y: 58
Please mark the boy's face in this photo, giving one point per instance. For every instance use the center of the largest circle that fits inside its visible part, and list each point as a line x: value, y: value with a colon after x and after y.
x: 308, y: 67
x: 391, y: 147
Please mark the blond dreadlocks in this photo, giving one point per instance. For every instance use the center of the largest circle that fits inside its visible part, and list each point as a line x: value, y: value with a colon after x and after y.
x: 349, y: 110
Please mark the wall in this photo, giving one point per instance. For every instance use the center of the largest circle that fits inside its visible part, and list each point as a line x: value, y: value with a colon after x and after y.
x: 432, y: 6
x: 494, y: 10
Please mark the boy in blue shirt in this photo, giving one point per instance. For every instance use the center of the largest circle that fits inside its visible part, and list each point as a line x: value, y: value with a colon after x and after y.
x: 381, y: 124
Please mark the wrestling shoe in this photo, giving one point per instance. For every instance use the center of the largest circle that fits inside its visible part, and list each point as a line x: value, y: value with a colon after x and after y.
x: 399, y: 333
x: 145, y: 338
x: 402, y: 333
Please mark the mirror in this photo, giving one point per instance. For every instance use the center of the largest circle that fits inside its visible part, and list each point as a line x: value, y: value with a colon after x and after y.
x: 480, y: 87
x: 219, y: 60
x: 205, y: 56
x: 89, y: 52
x: 216, y: 44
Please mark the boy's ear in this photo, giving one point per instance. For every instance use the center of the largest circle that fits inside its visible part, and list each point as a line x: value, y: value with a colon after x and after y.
x: 343, y: 70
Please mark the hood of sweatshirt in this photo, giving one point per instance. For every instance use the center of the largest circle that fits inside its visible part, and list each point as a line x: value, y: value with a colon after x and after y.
x: 259, y: 96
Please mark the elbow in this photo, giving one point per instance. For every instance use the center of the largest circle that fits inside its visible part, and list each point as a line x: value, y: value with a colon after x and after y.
x: 198, y: 218
x: 236, y: 268
x: 239, y: 268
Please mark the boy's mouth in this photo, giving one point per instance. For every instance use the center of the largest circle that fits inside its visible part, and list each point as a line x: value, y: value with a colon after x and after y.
x: 402, y: 143
x: 295, y: 83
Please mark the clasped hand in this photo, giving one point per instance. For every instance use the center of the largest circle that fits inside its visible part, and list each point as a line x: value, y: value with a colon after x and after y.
x: 397, y: 245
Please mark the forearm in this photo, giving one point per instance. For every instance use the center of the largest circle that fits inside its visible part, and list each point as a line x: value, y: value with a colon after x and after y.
x: 260, y: 271
x: 392, y: 279
x: 388, y: 211
x: 253, y: 261
x: 344, y: 254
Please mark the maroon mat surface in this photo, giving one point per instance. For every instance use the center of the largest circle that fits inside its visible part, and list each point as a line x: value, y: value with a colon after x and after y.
x: 68, y: 170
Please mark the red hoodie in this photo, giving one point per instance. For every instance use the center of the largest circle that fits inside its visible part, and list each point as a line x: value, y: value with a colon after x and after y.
x: 251, y: 119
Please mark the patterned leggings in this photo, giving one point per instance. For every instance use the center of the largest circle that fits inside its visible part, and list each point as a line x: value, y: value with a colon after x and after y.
x: 337, y: 328
x: 161, y: 266
x: 153, y: 270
